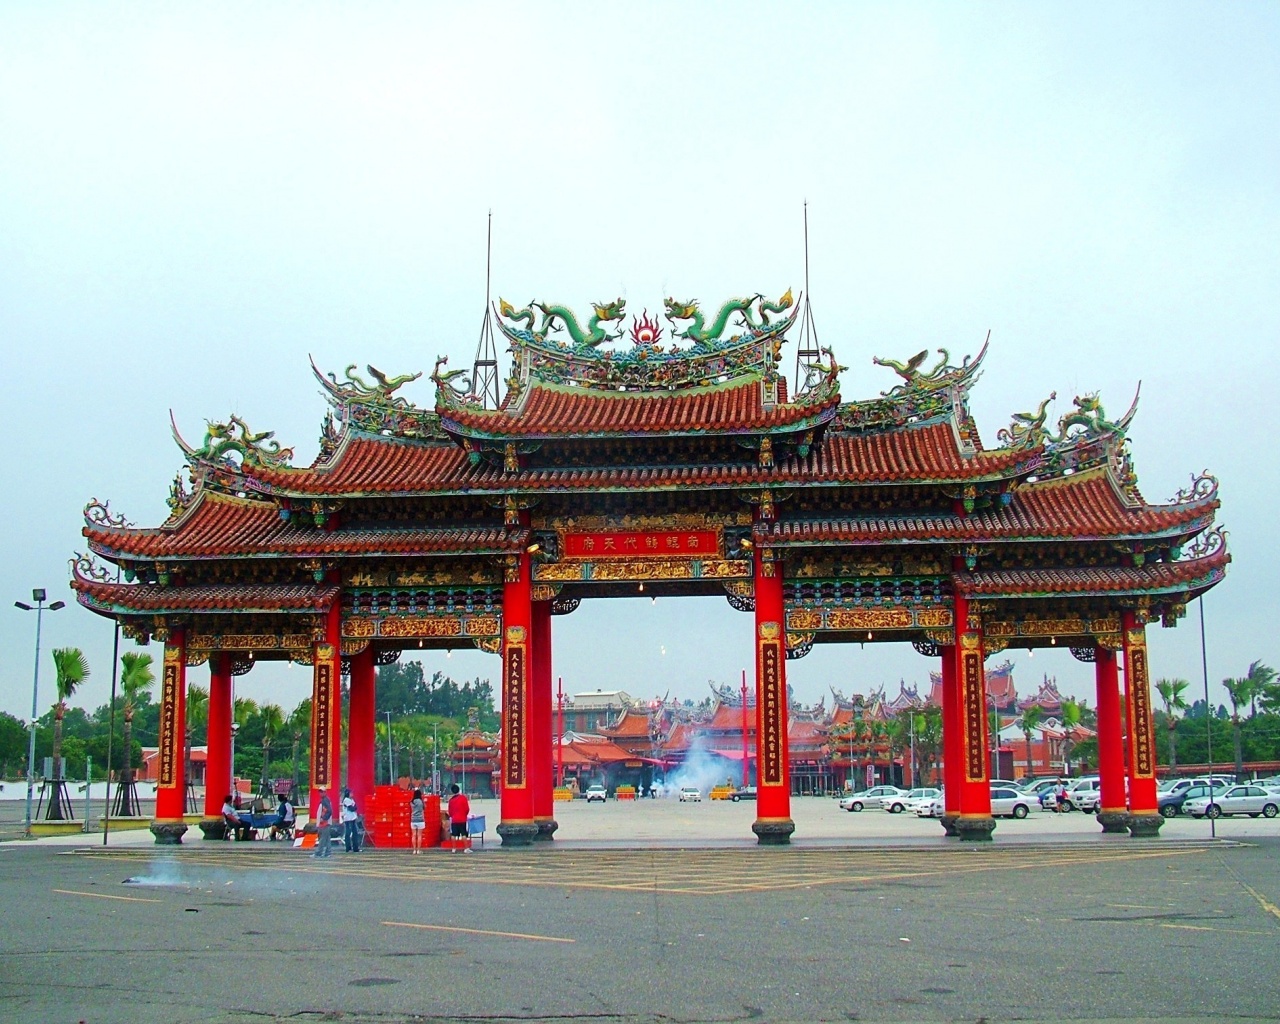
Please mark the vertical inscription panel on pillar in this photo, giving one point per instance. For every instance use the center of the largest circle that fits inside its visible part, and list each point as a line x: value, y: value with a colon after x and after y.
x: 322, y: 716
x: 169, y: 826
x: 513, y: 682
x: 771, y: 829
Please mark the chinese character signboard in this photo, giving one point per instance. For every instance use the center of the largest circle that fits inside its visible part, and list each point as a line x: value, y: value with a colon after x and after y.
x: 323, y: 696
x: 975, y: 764
x: 770, y: 714
x: 170, y: 729
x: 513, y: 717
x: 1140, y: 707
x: 642, y: 544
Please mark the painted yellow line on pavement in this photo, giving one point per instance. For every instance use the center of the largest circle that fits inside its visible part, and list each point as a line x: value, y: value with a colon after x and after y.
x: 1265, y: 903
x: 475, y: 931
x: 104, y: 896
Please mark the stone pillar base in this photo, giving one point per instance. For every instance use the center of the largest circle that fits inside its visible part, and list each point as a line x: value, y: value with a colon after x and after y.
x: 975, y: 830
x: 1145, y: 825
x: 546, y: 830
x: 1113, y: 821
x: 517, y: 833
x: 168, y: 833
x: 948, y: 822
x: 214, y: 828
x: 774, y: 833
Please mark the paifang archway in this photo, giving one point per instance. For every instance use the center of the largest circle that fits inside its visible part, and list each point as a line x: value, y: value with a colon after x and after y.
x: 685, y: 468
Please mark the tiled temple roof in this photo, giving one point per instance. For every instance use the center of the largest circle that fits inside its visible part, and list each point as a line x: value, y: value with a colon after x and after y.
x: 550, y: 410
x: 1192, y: 574
x: 1081, y: 506
x: 219, y: 526
x: 204, y: 598
x: 913, y: 454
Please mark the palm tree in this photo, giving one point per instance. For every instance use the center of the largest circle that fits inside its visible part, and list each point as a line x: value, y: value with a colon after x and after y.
x: 1239, y: 692
x: 72, y: 669
x: 1071, y: 714
x: 1262, y: 679
x: 272, y: 717
x: 1171, y: 691
x: 1031, y: 719
x: 897, y: 733
x: 242, y: 709
x: 136, y: 678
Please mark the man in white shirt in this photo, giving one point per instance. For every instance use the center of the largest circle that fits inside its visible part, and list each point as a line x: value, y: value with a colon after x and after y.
x: 350, y: 823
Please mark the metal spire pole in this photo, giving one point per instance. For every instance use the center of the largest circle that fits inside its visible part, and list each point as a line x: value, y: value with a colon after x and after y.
x: 807, y: 350
x: 111, y: 725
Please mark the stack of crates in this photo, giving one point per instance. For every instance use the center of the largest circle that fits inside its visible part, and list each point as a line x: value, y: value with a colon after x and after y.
x: 389, y: 820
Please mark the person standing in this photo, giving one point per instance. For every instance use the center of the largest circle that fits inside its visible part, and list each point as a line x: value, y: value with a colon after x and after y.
x: 350, y: 823
x: 417, y: 819
x: 459, y: 810
x: 324, y: 820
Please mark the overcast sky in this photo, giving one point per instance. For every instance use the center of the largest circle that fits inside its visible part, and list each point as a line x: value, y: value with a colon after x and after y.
x: 194, y: 200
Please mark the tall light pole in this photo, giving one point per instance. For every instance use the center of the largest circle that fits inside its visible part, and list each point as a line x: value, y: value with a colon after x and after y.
x: 38, y: 595
x: 435, y: 757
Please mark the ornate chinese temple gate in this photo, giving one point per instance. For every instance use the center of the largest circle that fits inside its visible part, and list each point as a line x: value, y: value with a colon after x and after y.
x: 658, y: 470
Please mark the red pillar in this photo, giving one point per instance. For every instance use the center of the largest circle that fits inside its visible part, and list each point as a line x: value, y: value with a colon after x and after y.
x: 169, y: 825
x: 952, y: 773
x: 517, y: 827
x: 1112, y: 814
x: 773, y: 824
x: 975, y: 821
x: 217, y: 771
x: 361, y: 717
x: 1144, y: 817
x: 540, y: 755
x: 325, y: 710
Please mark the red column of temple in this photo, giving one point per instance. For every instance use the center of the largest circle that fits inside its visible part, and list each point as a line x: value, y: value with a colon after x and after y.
x: 361, y: 718
x: 325, y: 710
x: 952, y: 770
x: 975, y: 821
x: 517, y: 827
x: 217, y: 769
x: 1112, y: 814
x: 540, y: 752
x: 1144, y: 817
x: 169, y: 825
x: 773, y: 824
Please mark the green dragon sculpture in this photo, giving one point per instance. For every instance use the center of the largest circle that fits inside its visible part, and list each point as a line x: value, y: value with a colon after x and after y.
x: 1088, y: 414
x: 697, y: 331
x: 595, y: 333
x: 234, y: 436
x: 1027, y: 429
x: 446, y: 380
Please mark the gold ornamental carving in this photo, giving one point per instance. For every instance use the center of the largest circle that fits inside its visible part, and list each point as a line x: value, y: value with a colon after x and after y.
x: 770, y: 631
x: 358, y: 628
x: 942, y: 637
x: 195, y: 658
x: 544, y: 592
x: 804, y: 619
x: 934, y: 617
x: 970, y: 641
x: 350, y: 648
x: 869, y: 618
x: 567, y: 572
x: 993, y: 645
x: 435, y: 626
x: 1111, y: 641
x: 1053, y: 627
x: 723, y: 570
x: 483, y: 625
x: 740, y: 588
x: 489, y: 644
x: 1001, y: 629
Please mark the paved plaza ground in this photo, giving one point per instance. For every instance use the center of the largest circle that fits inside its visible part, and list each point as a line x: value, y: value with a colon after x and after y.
x: 655, y: 911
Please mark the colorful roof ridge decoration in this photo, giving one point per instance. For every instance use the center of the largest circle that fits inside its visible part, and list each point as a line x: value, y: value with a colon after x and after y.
x: 1046, y: 698
x: 921, y: 397
x: 372, y: 408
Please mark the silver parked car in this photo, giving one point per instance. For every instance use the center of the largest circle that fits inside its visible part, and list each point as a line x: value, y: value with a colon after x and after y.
x: 871, y: 798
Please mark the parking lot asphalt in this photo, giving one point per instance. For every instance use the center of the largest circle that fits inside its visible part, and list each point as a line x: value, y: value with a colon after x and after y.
x: 886, y: 922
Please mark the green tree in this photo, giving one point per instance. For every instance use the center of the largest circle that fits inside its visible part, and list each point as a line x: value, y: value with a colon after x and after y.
x: 1171, y: 691
x: 1262, y: 679
x: 136, y: 680
x: 273, y: 722
x: 1031, y: 719
x: 928, y: 724
x: 71, y: 668
x: 1240, y: 693
x: 1070, y: 718
x: 13, y: 744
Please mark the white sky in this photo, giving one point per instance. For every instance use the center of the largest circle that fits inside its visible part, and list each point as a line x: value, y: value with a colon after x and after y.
x: 192, y: 201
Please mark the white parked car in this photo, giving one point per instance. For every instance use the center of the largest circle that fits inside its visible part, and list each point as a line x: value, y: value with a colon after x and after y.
x: 1250, y: 800
x: 597, y: 792
x: 1010, y: 803
x: 690, y: 794
x: 934, y: 808
x: 912, y: 801
x: 873, y: 797
x: 1083, y: 793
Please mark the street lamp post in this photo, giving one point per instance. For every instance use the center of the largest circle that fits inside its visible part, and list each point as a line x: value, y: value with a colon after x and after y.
x: 235, y: 728
x: 744, y: 728
x: 391, y: 764
x: 435, y: 757
x: 560, y: 731
x: 38, y: 595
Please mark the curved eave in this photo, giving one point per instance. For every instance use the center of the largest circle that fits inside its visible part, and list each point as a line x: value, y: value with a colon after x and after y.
x: 148, y: 599
x: 1191, y: 577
